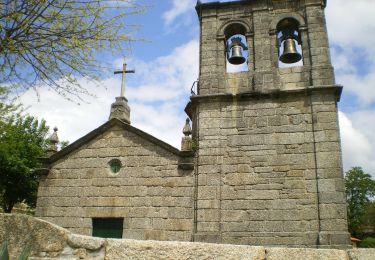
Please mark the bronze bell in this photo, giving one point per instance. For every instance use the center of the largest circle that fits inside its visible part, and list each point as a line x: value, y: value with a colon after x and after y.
x: 236, y: 57
x: 290, y: 53
x: 234, y: 51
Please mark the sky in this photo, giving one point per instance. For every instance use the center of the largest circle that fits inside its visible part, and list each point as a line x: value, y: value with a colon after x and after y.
x: 166, y: 64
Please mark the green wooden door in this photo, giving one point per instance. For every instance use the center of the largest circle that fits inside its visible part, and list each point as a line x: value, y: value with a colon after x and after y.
x: 107, y: 227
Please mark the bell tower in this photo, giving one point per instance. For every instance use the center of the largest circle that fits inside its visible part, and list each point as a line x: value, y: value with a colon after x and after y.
x: 268, y: 155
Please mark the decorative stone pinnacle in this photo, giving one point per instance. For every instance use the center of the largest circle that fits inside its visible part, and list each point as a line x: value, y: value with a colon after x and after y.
x: 186, y: 142
x: 120, y: 110
x: 53, y: 141
x: 187, y: 129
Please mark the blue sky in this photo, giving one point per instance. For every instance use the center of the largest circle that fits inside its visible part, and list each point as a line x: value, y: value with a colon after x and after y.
x: 166, y: 65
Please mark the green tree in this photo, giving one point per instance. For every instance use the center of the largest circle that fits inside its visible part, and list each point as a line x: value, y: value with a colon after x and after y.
x: 5, y: 108
x: 359, y: 189
x: 53, y: 42
x: 369, y: 216
x: 23, y: 139
x: 368, y: 242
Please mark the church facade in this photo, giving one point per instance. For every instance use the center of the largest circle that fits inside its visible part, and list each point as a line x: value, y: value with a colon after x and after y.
x: 263, y: 165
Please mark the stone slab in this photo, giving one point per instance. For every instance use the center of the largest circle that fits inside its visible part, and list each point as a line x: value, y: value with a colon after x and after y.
x: 132, y: 249
x: 305, y: 253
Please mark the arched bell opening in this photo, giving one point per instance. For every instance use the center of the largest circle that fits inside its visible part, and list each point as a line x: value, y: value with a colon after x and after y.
x: 289, y: 43
x: 236, y: 49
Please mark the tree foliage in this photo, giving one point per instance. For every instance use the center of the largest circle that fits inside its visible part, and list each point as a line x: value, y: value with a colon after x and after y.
x: 6, y: 109
x: 359, y: 189
x: 23, y: 139
x: 368, y: 220
x: 368, y: 242
x: 53, y: 42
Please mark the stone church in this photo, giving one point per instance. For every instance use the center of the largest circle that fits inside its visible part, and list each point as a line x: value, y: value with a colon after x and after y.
x: 260, y: 163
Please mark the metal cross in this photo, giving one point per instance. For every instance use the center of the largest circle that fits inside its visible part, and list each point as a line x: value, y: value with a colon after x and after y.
x: 123, y: 72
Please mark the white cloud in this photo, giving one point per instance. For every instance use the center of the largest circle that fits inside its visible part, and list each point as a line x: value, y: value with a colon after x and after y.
x: 351, y: 27
x: 156, y: 101
x: 165, y: 122
x: 351, y: 23
x: 168, y: 77
x: 163, y: 90
x: 356, y: 82
x: 358, y: 142
x: 360, y: 86
x: 341, y: 62
x: 72, y: 119
x: 179, y: 8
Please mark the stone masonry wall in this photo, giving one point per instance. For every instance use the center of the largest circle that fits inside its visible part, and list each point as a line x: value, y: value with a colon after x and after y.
x: 269, y: 160
x: 258, y: 165
x: 150, y: 193
x: 48, y: 241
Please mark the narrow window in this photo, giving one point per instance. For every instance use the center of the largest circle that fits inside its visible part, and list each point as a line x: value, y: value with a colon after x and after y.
x: 107, y: 227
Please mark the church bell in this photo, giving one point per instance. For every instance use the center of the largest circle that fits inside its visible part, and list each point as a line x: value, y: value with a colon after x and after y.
x: 290, y: 53
x: 234, y: 51
x: 288, y: 37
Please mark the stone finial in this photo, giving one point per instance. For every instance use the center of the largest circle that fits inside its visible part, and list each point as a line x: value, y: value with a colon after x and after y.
x: 186, y: 142
x: 53, y: 141
x: 120, y: 110
x: 187, y: 129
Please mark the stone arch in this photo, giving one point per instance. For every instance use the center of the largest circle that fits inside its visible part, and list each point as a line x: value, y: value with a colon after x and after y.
x: 295, y: 16
x: 233, y: 27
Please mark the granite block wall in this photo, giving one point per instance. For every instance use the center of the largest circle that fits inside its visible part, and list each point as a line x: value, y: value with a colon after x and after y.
x: 153, y: 196
x: 269, y: 160
x: 262, y: 163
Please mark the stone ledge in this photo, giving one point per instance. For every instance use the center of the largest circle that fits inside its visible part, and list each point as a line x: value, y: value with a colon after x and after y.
x: 336, y: 90
x: 49, y: 241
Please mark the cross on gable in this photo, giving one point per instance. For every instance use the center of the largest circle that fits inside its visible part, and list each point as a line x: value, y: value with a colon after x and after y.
x: 123, y: 72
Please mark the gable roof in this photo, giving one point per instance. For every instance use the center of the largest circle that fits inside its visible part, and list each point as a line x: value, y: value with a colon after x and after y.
x: 104, y: 127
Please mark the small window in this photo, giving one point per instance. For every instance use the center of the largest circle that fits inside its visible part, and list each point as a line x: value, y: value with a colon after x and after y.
x: 107, y: 227
x: 115, y: 165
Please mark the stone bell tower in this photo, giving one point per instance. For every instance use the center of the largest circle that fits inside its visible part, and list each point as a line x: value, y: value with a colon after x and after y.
x: 268, y: 168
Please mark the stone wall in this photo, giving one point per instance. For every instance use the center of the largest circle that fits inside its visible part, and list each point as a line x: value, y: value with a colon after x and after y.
x: 269, y: 160
x: 48, y: 241
x: 153, y: 196
x: 258, y: 180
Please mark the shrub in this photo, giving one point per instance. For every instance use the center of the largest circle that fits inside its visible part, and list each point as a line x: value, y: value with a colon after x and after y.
x: 368, y: 242
x: 4, y: 255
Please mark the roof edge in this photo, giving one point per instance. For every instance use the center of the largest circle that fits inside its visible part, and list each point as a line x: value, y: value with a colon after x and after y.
x: 101, y: 129
x: 200, y: 5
